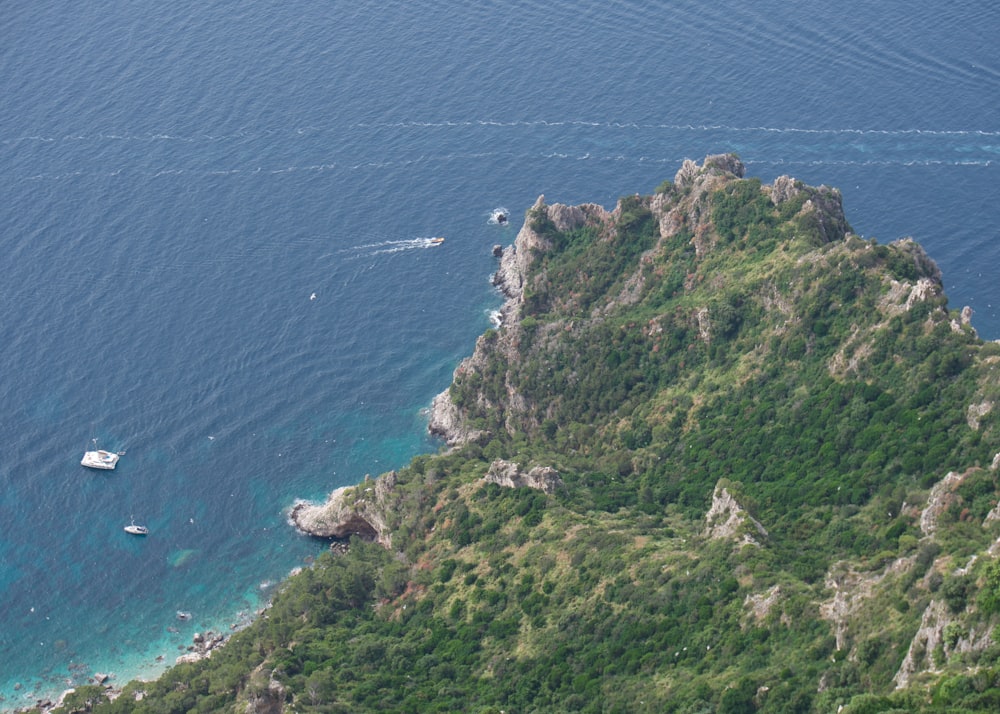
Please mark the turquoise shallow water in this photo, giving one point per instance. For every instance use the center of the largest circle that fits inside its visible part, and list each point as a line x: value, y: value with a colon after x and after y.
x: 179, y: 180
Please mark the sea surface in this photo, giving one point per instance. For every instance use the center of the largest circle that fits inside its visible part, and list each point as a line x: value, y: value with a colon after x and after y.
x: 215, y: 224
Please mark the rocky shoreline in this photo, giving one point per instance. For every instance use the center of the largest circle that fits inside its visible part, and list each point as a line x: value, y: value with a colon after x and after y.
x: 349, y: 511
x: 202, y: 645
x: 359, y: 510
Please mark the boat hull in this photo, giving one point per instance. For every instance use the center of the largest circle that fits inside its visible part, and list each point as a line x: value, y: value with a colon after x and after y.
x: 100, y: 459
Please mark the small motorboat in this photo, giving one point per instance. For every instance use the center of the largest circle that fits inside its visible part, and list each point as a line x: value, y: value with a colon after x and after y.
x: 437, y: 241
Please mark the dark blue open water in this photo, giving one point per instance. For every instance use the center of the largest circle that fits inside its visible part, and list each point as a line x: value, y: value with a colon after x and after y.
x: 177, y: 179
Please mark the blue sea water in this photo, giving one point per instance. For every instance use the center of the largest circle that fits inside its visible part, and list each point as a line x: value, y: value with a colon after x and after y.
x: 178, y: 180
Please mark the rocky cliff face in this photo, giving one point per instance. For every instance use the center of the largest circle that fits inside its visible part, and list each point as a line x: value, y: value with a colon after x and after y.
x: 718, y: 333
x: 446, y: 419
x: 353, y: 510
x: 728, y: 520
x: 510, y: 475
x: 684, y: 206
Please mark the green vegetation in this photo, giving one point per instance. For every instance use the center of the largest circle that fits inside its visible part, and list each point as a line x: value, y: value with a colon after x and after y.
x: 711, y: 337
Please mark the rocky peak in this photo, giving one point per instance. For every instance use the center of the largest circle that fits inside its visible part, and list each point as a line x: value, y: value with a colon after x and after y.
x: 924, y: 264
x: 727, y: 519
x: 784, y: 189
x: 713, y: 165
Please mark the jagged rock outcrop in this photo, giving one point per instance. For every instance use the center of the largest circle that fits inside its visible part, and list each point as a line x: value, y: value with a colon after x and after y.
x: 940, y: 635
x: 760, y: 605
x: 265, y: 699
x: 727, y: 519
x: 713, y: 165
x: 202, y: 646
x: 445, y: 419
x: 352, y: 510
x: 975, y: 412
x: 695, y: 182
x: 825, y: 209
x: 852, y: 591
x: 919, y: 655
x: 964, y: 321
x: 784, y: 188
x: 900, y: 297
x: 938, y: 500
x: 923, y: 263
x: 510, y: 475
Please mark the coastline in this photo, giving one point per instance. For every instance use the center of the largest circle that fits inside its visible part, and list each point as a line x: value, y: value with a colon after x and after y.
x: 329, y: 519
x: 46, y: 691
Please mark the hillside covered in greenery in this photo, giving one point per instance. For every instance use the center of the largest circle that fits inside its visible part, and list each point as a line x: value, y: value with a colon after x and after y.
x: 722, y: 455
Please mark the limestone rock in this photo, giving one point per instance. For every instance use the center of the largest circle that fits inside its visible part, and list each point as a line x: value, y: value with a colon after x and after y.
x: 446, y: 421
x: 704, y: 325
x: 726, y: 519
x: 714, y: 164
x: 826, y: 207
x: 508, y: 474
x: 202, y: 646
x: 351, y: 510
x: 760, y: 605
x: 975, y: 412
x: 921, y: 292
x: 686, y: 174
x: 931, y: 636
x: 267, y: 700
x: 938, y: 500
x: 928, y: 637
x: 784, y: 189
x: 924, y: 263
x: 695, y: 183
x: 727, y: 163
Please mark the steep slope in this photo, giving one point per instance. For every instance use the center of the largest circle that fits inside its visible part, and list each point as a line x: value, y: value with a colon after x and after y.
x: 721, y: 454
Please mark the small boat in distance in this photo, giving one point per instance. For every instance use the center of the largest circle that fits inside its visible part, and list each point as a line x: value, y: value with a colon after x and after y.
x: 100, y: 459
x: 133, y: 529
x: 437, y: 241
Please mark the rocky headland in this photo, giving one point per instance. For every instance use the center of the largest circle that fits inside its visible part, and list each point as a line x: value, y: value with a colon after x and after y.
x: 662, y: 381
x: 349, y: 511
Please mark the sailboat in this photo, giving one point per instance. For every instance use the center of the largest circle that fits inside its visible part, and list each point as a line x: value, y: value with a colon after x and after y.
x: 133, y: 529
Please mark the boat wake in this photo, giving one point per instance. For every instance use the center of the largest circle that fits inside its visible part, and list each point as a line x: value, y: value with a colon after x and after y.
x: 554, y: 139
x: 391, y: 246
